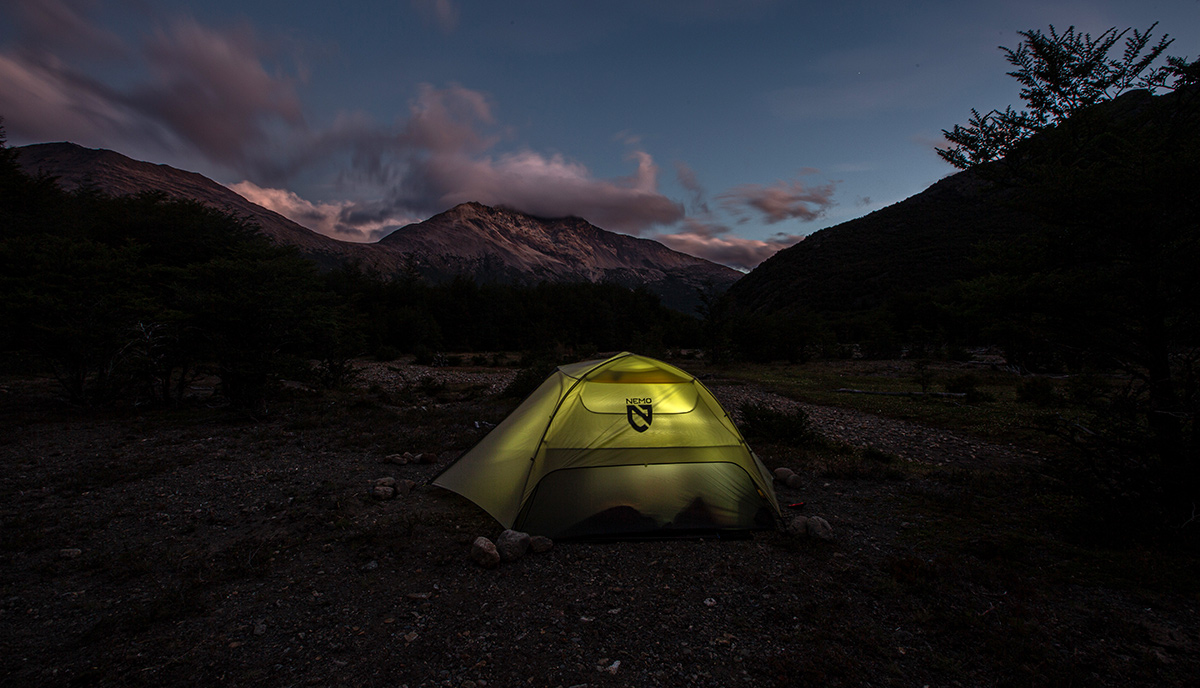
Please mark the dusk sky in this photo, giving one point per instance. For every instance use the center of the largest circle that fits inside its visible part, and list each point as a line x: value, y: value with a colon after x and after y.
x: 725, y: 129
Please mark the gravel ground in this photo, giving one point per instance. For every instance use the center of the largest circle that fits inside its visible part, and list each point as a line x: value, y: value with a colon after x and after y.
x: 199, y: 546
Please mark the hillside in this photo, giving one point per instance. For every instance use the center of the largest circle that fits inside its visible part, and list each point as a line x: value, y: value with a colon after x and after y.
x: 486, y: 244
x: 921, y: 243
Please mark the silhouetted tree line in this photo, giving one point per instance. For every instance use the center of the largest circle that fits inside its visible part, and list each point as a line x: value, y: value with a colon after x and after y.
x: 134, y: 297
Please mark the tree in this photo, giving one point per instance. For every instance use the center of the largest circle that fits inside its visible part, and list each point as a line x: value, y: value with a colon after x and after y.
x: 1106, y: 280
x: 1060, y: 75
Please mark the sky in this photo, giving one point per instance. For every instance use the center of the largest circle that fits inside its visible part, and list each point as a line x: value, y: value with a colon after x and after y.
x: 727, y: 129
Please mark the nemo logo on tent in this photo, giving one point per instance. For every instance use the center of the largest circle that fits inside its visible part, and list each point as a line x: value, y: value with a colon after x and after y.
x: 639, y: 411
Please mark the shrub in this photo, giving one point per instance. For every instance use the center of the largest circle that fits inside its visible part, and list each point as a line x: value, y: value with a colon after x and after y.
x: 1038, y: 391
x: 773, y: 425
x: 968, y: 384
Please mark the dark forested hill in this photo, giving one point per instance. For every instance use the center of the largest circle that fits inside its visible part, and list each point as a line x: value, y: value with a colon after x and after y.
x: 922, y: 243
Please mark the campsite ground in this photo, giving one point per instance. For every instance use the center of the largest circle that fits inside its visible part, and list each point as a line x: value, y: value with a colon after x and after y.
x: 200, y: 546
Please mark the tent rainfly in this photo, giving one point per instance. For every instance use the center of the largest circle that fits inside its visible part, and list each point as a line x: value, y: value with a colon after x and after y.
x: 626, y: 446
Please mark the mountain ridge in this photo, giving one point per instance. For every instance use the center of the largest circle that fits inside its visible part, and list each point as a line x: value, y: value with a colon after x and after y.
x: 484, y: 243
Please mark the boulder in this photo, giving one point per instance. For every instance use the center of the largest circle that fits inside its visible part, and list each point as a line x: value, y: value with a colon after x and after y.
x: 483, y: 553
x: 512, y: 545
x: 819, y: 528
x: 796, y: 526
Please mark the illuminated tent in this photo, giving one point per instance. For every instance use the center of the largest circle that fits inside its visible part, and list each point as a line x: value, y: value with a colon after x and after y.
x: 624, y: 446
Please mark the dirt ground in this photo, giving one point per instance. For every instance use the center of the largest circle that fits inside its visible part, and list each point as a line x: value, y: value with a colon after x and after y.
x: 200, y: 546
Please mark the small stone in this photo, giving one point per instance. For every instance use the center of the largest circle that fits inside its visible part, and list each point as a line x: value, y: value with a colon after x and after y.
x: 383, y: 492
x: 483, y: 552
x: 794, y: 481
x: 428, y: 457
x: 512, y: 545
x: 385, y: 482
x: 796, y: 526
x: 540, y: 543
x: 260, y: 628
x: 404, y: 487
x: 397, y: 459
x: 70, y: 553
x: 820, y: 528
x: 782, y: 474
x: 370, y: 565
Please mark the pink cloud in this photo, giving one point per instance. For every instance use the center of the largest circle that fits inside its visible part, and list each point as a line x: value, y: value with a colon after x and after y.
x: 49, y: 102
x: 552, y: 187
x: 734, y: 251
x: 782, y: 201
x: 60, y: 24
x: 212, y: 90
x: 331, y: 219
x: 207, y: 90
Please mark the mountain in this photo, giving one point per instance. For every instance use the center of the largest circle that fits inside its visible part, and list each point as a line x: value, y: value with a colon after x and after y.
x: 931, y: 240
x: 473, y: 240
x: 921, y: 243
x: 115, y: 174
x: 502, y: 245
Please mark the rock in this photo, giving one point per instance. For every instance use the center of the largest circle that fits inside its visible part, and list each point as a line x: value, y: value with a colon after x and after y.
x: 70, y: 553
x: 540, y: 543
x: 797, y: 526
x: 782, y: 474
x: 427, y: 457
x: 512, y: 545
x: 383, y: 492
x: 385, y: 482
x: 396, y: 459
x: 483, y: 552
x: 404, y: 487
x: 794, y: 481
x: 820, y: 528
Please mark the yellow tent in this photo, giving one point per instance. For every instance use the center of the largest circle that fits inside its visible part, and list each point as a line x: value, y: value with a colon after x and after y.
x: 623, y: 446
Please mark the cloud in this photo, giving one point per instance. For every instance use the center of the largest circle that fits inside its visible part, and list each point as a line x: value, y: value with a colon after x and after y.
x: 58, y: 24
x: 736, y: 252
x: 42, y: 102
x: 444, y: 13
x: 687, y: 179
x: 783, y: 200
x: 211, y: 89
x: 548, y: 186
x: 338, y: 220
x: 185, y: 87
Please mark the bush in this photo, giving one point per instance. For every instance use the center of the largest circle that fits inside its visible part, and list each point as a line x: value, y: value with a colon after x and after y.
x: 773, y: 425
x: 1038, y: 391
x: 969, y: 385
x: 529, y: 379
